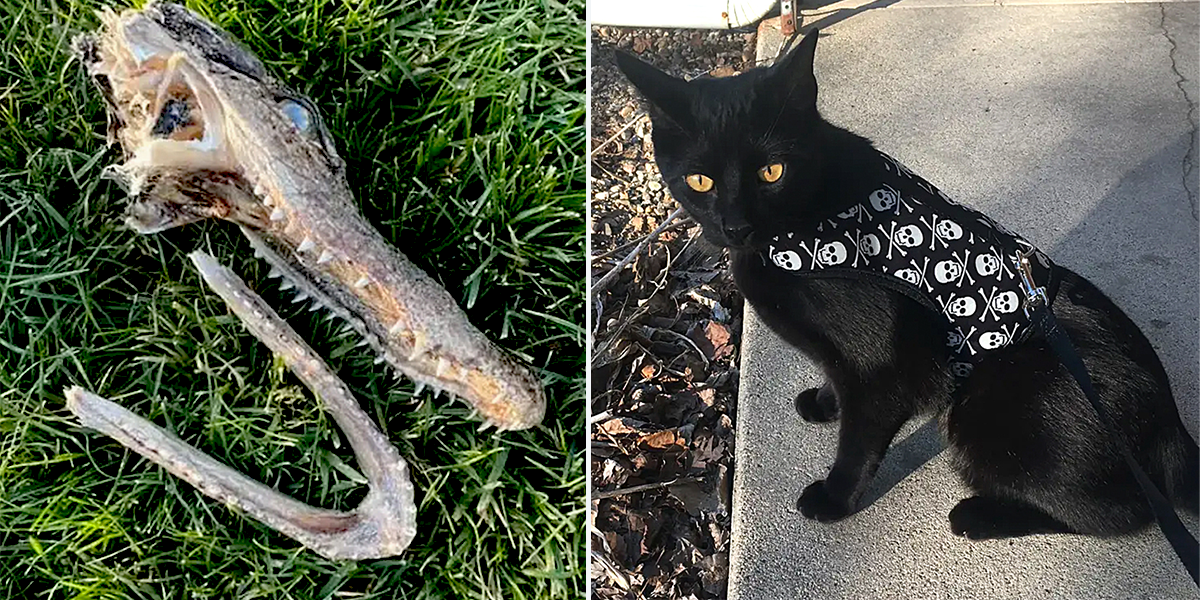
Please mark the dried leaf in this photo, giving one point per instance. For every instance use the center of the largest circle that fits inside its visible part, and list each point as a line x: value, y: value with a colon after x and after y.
x: 625, y: 426
x: 712, y: 338
x: 718, y: 336
x: 663, y: 441
x: 714, y: 570
x: 707, y: 449
x: 649, y: 371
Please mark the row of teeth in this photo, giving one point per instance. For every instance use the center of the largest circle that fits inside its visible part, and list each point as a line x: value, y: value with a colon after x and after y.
x: 278, y: 214
x: 366, y: 338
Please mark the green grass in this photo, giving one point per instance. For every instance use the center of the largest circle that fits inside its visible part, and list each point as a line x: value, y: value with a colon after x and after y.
x: 462, y: 126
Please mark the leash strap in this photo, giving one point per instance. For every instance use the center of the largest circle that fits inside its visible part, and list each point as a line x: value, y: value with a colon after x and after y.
x: 1185, y: 545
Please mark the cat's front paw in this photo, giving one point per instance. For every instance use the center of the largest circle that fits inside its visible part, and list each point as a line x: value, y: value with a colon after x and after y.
x: 817, y: 405
x: 817, y: 503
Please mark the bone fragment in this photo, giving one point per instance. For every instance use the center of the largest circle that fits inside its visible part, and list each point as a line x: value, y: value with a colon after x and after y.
x: 382, y: 525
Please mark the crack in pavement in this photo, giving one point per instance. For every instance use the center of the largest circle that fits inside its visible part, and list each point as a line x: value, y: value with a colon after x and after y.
x: 1189, y: 159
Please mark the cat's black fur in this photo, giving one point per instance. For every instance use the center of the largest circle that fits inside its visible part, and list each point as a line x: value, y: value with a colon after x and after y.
x: 1022, y: 435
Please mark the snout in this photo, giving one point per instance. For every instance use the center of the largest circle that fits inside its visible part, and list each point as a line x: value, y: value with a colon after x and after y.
x: 729, y: 237
x: 738, y: 235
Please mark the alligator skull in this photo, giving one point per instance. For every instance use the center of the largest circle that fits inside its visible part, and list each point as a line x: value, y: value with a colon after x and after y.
x: 207, y: 132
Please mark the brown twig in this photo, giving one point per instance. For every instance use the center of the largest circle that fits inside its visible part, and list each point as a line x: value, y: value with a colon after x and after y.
x: 636, y: 117
x: 642, y: 488
x: 684, y: 222
x: 689, y: 342
x: 612, y: 274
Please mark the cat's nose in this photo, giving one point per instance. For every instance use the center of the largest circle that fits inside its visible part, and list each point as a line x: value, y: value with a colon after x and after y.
x: 738, y: 235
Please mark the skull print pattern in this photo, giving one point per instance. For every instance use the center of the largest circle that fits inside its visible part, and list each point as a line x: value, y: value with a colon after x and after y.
x: 951, y: 257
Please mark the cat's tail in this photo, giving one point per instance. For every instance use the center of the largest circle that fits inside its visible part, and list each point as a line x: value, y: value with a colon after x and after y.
x: 1185, y: 480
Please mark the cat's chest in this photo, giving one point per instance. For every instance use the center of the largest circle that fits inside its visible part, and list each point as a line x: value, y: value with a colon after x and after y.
x: 766, y: 288
x: 803, y: 310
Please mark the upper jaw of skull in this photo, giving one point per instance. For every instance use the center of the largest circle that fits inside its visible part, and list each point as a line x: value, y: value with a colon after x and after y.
x: 200, y: 139
x: 204, y: 139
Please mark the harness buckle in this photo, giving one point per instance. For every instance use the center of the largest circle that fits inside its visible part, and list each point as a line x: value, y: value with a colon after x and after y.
x: 1035, y: 295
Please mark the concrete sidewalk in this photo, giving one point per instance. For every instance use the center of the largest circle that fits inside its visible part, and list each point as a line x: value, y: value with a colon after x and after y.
x: 1073, y: 124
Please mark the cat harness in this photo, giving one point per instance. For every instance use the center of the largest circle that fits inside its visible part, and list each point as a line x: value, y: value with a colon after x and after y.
x: 908, y: 236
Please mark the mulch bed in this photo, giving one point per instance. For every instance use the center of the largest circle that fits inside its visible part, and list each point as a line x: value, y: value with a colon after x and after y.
x: 667, y: 332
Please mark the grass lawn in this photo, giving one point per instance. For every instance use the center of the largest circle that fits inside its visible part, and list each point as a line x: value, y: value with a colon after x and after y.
x: 462, y: 125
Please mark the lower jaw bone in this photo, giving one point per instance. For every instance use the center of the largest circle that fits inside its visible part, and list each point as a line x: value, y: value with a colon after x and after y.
x: 382, y: 525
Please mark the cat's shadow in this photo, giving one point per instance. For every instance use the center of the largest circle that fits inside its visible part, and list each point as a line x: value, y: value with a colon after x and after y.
x: 1083, y: 250
x: 904, y: 458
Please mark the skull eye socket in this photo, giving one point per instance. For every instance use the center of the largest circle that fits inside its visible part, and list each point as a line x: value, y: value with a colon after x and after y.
x: 771, y: 173
x: 698, y: 182
x: 298, y: 114
x: 303, y: 116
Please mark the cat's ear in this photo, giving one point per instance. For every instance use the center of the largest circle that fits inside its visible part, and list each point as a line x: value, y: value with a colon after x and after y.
x: 795, y: 71
x: 670, y: 95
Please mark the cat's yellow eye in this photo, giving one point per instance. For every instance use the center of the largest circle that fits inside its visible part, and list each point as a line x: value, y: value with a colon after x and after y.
x: 698, y: 182
x: 771, y: 173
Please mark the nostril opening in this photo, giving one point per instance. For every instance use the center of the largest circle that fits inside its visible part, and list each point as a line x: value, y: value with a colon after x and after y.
x: 737, y: 234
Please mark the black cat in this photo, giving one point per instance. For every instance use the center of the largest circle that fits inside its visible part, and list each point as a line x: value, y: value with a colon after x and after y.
x: 752, y: 160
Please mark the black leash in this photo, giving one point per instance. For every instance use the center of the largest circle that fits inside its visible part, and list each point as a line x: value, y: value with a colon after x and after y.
x: 1036, y: 305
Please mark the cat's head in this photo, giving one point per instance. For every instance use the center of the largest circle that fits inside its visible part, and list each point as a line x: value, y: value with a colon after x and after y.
x: 740, y: 153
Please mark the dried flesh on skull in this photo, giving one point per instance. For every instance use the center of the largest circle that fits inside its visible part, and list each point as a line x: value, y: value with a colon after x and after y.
x: 206, y: 132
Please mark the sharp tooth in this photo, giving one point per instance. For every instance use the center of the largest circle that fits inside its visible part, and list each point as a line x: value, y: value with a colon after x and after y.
x: 420, y: 388
x: 259, y: 253
x: 418, y: 347
x: 274, y: 273
x: 261, y: 191
x: 442, y: 366
x: 306, y: 245
x: 302, y: 296
x: 486, y: 423
x: 360, y: 343
x: 286, y: 285
x: 362, y: 282
x: 378, y: 360
x: 437, y: 391
x: 325, y: 257
x: 397, y: 328
x: 277, y: 214
x: 316, y: 306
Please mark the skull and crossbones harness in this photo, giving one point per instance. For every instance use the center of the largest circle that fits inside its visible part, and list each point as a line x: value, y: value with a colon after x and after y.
x: 909, y: 237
